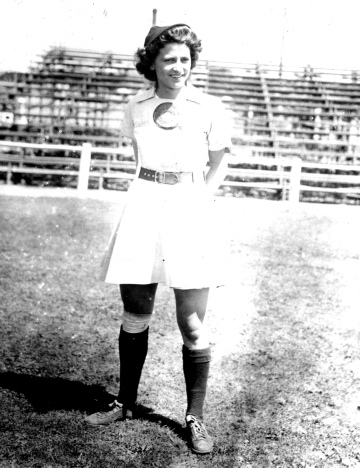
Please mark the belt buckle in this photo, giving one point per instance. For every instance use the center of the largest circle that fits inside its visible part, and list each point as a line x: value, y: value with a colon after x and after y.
x: 162, y: 177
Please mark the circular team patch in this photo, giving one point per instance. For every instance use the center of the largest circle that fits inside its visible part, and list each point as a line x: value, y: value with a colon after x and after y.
x: 166, y: 116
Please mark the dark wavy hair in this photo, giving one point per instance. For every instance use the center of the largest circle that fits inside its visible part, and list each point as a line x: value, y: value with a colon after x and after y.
x: 145, y: 57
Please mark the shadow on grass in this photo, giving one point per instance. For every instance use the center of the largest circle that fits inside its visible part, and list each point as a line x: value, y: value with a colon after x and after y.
x: 148, y: 414
x: 46, y: 394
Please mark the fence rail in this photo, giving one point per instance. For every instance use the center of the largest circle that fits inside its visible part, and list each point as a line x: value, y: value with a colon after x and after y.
x: 285, y: 174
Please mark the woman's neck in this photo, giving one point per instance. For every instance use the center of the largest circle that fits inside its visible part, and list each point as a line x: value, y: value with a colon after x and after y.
x: 168, y: 93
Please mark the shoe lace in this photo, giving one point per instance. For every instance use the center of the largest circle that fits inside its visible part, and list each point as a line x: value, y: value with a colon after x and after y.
x: 112, y: 408
x: 197, y: 429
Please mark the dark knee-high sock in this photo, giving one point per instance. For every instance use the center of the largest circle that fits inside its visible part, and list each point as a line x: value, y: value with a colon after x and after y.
x: 196, y: 364
x: 133, y: 349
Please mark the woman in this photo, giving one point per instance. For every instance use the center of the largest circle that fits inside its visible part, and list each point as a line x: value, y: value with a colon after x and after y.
x: 167, y: 233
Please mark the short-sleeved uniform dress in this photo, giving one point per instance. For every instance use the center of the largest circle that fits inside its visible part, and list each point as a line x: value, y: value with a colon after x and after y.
x: 168, y: 233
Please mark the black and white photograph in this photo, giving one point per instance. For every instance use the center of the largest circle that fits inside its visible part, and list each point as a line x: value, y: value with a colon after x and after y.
x: 179, y: 234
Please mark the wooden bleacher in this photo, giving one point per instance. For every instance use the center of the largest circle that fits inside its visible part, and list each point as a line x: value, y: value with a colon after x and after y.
x: 71, y: 93
x: 71, y: 96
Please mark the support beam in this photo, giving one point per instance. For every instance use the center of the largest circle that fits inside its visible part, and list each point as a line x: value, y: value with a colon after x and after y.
x: 270, y: 115
x: 84, y: 169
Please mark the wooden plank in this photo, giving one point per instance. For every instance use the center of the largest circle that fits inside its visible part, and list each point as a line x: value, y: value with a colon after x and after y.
x: 298, y: 142
x: 344, y: 190
x: 40, y: 146
x: 48, y: 160
x: 338, y: 179
x: 61, y: 136
x: 303, y: 153
x: 266, y: 161
x: 28, y: 170
x: 257, y: 173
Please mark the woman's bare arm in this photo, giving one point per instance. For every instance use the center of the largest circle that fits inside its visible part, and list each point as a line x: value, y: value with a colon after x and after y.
x: 135, y: 148
x: 218, y: 169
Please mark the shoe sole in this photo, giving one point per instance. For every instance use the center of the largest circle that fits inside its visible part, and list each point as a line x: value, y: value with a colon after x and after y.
x: 198, y: 452
x: 102, y: 424
x: 105, y: 423
x: 128, y: 415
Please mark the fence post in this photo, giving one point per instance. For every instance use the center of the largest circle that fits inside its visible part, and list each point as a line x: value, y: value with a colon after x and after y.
x: 294, y: 189
x: 8, y: 175
x: 84, y: 169
x: 101, y: 178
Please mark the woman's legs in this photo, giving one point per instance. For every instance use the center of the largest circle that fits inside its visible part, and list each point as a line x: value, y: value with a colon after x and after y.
x: 190, y: 311
x: 138, y: 303
x: 133, y: 344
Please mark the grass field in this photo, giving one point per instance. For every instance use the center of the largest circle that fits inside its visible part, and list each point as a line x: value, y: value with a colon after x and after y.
x: 285, y: 376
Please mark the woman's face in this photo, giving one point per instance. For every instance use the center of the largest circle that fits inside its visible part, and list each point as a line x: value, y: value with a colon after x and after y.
x: 172, y: 67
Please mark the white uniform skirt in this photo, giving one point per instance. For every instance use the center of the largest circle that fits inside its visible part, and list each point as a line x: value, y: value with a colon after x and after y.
x: 167, y: 234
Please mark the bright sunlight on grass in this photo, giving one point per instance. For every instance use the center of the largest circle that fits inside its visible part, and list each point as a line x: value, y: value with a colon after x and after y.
x: 284, y: 383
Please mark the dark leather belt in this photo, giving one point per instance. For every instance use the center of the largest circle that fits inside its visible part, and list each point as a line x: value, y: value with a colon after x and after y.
x: 162, y: 177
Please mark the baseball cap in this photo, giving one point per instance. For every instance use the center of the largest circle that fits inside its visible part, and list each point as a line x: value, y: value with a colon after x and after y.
x: 156, y: 31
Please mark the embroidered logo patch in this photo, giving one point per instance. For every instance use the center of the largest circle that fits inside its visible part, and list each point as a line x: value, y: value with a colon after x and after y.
x: 166, y: 116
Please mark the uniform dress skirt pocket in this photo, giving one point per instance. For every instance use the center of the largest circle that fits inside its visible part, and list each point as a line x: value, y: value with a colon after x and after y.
x: 167, y: 234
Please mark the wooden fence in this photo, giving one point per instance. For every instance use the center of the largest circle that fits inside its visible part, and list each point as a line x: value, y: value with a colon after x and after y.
x: 288, y: 175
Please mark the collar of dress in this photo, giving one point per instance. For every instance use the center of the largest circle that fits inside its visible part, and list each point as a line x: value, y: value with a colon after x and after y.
x: 190, y: 94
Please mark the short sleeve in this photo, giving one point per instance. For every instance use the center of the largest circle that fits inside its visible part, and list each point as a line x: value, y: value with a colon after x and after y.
x: 127, y: 125
x: 219, y: 136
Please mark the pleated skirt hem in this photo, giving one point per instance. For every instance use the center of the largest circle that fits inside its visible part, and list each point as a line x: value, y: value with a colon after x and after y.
x: 167, y: 234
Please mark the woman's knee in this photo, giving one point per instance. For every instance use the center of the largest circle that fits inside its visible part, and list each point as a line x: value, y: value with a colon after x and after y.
x: 191, y: 329
x: 135, y: 323
x: 138, y: 298
x: 193, y: 332
x: 191, y: 301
